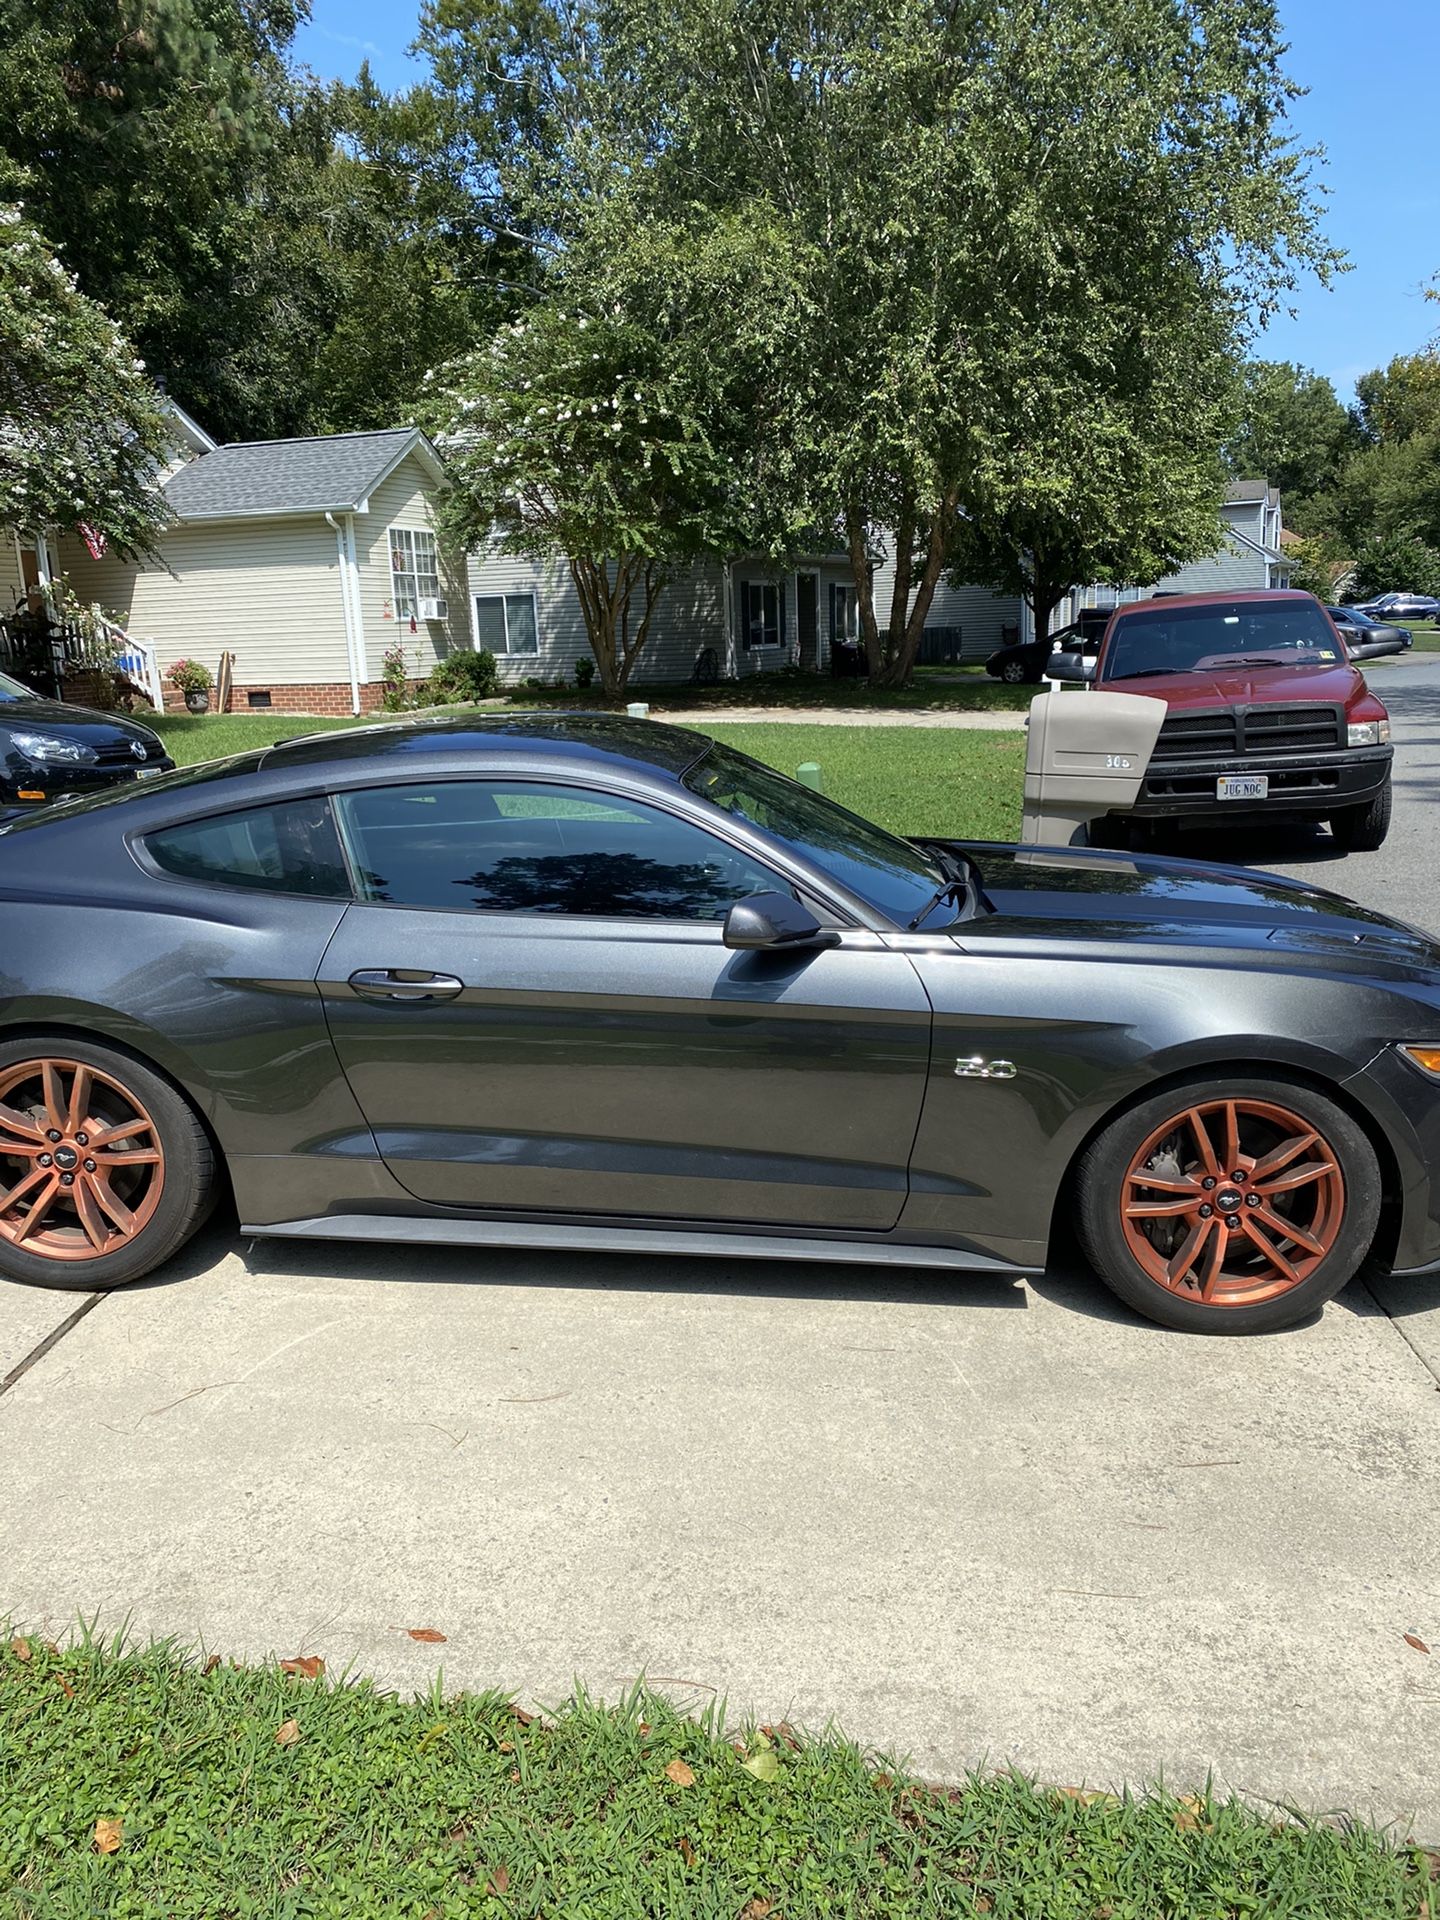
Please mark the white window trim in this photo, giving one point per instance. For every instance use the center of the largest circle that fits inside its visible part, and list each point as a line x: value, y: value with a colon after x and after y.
x: 400, y: 526
x: 764, y: 646
x: 505, y: 597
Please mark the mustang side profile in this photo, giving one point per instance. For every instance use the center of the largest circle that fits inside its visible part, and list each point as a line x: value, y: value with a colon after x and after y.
x: 579, y: 982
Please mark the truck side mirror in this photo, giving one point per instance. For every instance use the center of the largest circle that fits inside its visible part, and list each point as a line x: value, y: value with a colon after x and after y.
x: 1065, y: 665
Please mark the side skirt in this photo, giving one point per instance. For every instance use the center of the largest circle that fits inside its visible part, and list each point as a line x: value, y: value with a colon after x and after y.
x: 601, y: 1239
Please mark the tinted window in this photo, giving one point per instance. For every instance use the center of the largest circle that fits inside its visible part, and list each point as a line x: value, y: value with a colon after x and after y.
x: 290, y: 848
x: 888, y: 872
x: 526, y: 847
x: 1286, y: 633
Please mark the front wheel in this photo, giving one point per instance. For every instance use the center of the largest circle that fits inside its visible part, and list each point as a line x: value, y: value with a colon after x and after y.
x: 1229, y: 1206
x: 105, y: 1171
x: 1363, y: 829
x: 1013, y: 673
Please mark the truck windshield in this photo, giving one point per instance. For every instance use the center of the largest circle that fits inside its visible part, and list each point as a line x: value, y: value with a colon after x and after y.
x: 1283, y: 633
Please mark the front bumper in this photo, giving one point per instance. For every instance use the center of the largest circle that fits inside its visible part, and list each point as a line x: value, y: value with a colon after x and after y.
x: 66, y: 783
x: 1317, y: 784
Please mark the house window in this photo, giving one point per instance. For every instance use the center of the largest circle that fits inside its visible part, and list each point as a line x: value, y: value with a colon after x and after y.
x: 844, y: 623
x: 762, y: 613
x: 414, y: 570
x: 505, y: 623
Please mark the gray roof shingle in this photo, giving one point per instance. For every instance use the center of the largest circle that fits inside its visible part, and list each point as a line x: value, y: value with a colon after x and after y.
x: 333, y: 471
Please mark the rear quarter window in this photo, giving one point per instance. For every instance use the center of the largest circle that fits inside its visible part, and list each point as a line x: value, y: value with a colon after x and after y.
x: 291, y: 847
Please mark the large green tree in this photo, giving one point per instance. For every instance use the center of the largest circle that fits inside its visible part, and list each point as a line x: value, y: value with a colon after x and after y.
x: 1293, y: 431
x: 81, y: 427
x: 617, y: 425
x: 1009, y: 228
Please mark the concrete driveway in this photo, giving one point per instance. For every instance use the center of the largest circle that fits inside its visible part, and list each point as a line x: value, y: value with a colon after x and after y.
x: 976, y: 1522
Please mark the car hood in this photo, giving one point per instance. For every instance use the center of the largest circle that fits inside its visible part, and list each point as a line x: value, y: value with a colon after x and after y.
x: 1112, y: 896
x: 1246, y: 686
x: 75, y: 723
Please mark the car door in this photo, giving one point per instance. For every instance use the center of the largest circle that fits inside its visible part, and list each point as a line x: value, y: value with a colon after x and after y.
x: 536, y: 1011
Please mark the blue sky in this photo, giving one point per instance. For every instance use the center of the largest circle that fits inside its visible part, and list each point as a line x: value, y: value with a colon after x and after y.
x: 1373, y: 73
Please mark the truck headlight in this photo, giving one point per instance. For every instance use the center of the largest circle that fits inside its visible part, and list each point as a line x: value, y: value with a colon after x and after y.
x: 1368, y: 733
x: 49, y: 750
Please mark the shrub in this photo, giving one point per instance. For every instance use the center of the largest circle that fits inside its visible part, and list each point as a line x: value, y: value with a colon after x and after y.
x: 463, y: 676
x: 584, y: 671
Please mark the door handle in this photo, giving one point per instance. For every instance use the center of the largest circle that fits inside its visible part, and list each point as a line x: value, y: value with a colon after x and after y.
x: 405, y: 983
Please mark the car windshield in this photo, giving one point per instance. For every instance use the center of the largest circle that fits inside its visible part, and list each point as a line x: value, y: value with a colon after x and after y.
x: 12, y: 689
x: 888, y: 872
x: 1169, y: 639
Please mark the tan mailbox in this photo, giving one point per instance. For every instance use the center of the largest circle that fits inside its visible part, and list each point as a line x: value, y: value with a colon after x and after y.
x: 1086, y: 754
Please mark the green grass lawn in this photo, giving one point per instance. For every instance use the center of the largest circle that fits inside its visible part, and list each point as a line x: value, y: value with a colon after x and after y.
x: 144, y: 1785
x: 911, y: 779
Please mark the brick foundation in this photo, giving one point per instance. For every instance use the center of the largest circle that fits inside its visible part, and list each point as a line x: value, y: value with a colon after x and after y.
x: 319, y: 697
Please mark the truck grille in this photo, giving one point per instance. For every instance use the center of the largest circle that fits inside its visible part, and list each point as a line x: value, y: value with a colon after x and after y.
x: 1228, y: 733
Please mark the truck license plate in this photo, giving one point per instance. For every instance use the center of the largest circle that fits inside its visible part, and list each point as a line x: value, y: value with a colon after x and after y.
x: 1242, y: 786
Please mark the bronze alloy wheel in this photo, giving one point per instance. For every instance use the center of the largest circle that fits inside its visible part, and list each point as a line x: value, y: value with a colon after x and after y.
x: 1232, y: 1202
x: 82, y: 1166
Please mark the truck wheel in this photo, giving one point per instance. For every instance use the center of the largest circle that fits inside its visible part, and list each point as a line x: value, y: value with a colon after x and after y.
x: 1363, y: 829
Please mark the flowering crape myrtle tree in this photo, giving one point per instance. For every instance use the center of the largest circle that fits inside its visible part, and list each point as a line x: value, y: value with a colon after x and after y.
x: 611, y: 426
x: 82, y: 430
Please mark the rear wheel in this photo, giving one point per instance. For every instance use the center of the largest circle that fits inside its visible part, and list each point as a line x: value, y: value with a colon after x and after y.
x: 1363, y: 829
x: 105, y: 1171
x: 1234, y: 1206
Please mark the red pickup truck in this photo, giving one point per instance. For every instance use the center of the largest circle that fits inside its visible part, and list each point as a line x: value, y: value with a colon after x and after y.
x: 1268, y: 713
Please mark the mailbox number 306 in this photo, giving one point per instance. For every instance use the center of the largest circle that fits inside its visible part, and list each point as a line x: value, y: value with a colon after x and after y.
x: 1119, y: 762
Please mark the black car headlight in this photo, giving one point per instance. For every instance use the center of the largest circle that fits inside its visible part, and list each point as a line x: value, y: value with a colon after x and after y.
x: 50, y: 750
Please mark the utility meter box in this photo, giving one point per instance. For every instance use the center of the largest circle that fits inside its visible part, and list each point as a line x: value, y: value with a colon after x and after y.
x: 1085, y: 756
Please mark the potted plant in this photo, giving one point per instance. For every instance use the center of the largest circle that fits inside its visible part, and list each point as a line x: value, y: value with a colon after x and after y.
x: 195, y: 681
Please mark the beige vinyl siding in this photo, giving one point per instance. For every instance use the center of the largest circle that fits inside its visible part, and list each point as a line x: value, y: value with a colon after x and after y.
x: 405, y: 499
x: 11, y: 580
x: 267, y: 590
x: 688, y: 617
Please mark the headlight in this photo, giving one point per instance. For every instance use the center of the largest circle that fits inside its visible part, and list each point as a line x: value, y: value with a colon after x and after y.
x: 49, y: 750
x: 1426, y: 1058
x: 1368, y: 733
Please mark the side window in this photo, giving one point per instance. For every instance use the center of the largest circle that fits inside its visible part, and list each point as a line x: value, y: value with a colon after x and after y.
x: 289, y: 848
x: 527, y: 847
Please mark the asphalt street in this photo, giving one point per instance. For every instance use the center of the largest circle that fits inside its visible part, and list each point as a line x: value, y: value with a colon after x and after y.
x: 978, y: 1523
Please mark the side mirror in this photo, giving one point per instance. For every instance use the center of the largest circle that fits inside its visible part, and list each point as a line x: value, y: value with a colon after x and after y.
x: 1069, y: 666
x: 1376, y: 649
x: 773, y: 922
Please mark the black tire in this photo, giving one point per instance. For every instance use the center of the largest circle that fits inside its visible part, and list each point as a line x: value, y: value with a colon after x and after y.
x: 1102, y: 1182
x: 187, y: 1183
x: 1363, y: 829
x: 1111, y: 831
x: 1014, y: 673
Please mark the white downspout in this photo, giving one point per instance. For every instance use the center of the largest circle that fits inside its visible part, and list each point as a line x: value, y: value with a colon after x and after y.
x: 357, y: 604
x: 346, y: 609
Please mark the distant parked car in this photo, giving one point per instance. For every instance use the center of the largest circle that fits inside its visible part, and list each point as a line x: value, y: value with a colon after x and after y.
x: 1356, y: 628
x: 1024, y: 662
x: 50, y: 749
x: 1401, y: 606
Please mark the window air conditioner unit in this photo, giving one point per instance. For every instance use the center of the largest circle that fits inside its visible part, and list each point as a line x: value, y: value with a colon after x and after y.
x: 434, y: 610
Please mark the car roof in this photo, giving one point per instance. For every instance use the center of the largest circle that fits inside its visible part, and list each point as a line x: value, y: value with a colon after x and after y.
x: 1246, y: 596
x: 597, y: 737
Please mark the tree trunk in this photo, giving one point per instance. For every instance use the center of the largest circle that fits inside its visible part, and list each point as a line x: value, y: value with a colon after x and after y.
x: 907, y: 617
x: 860, y: 573
x: 1044, y: 596
x: 605, y: 604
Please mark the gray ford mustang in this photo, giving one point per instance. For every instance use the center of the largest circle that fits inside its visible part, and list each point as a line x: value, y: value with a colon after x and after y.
x: 578, y: 982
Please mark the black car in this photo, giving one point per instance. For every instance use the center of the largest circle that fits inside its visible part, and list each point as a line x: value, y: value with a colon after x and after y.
x: 1024, y: 662
x: 1401, y: 606
x: 49, y: 749
x: 1357, y: 628
x: 575, y: 982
